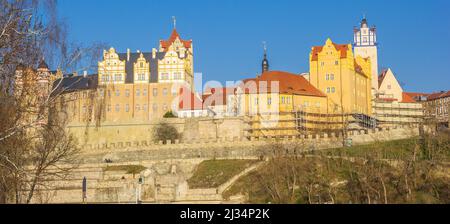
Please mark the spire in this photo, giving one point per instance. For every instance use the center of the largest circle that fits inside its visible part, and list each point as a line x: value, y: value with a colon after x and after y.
x: 174, y: 19
x: 265, y: 62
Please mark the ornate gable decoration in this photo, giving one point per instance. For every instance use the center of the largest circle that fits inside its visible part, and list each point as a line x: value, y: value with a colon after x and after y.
x: 175, y: 41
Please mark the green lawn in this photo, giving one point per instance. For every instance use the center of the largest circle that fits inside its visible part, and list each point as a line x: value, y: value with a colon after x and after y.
x: 213, y: 173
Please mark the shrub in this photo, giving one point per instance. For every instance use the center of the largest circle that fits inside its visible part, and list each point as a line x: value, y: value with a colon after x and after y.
x: 164, y: 132
x: 169, y: 114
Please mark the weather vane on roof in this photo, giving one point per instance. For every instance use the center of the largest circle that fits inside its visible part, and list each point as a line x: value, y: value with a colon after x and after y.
x: 265, y: 46
x: 174, y: 22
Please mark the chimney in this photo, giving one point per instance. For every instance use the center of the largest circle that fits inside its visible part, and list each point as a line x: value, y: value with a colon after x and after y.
x: 85, y: 74
x: 154, y: 53
x: 128, y: 54
x: 75, y: 73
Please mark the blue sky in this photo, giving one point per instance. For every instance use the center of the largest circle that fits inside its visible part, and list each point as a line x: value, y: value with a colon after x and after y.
x: 414, y: 36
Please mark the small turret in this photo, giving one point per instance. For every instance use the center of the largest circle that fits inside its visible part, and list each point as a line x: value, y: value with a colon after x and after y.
x: 265, y: 62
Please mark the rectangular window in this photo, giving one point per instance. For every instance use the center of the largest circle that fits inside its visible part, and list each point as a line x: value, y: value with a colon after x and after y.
x: 165, y: 107
x: 269, y: 101
x: 155, y: 107
x: 328, y: 90
x: 109, y: 108
x: 332, y: 77
x: 127, y: 108
x: 336, y: 62
x: 288, y: 100
x: 327, y: 77
x: 155, y: 92
x: 282, y: 100
x: 145, y: 92
x: 117, y: 107
x: 333, y: 90
x: 174, y: 92
x: 164, y: 76
x: 118, y: 77
x: 127, y: 92
x: 117, y: 92
x: 102, y: 92
x: 138, y: 108
x: 145, y: 107
x: 138, y: 92
x: 165, y: 92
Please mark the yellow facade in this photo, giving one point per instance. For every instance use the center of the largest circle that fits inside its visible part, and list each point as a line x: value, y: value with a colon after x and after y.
x: 344, y: 78
x: 135, y: 87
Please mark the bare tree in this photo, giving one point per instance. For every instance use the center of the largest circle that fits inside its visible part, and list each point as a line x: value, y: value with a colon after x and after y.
x: 33, y: 140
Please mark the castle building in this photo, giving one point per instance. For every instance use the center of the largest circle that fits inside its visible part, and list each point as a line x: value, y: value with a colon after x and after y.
x: 343, y: 76
x: 365, y: 45
x: 134, y: 87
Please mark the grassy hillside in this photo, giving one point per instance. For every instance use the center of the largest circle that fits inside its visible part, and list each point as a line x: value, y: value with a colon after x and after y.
x: 213, y: 173
x: 358, y: 174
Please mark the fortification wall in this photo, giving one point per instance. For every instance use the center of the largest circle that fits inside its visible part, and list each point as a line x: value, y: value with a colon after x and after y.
x: 169, y: 166
x: 191, y: 129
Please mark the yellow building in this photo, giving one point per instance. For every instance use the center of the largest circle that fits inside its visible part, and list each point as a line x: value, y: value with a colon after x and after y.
x: 132, y: 87
x: 344, y: 78
x: 273, y: 101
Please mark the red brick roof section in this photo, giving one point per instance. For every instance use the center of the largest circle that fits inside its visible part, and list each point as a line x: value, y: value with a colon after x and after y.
x: 166, y: 43
x: 435, y: 96
x: 416, y: 94
x: 407, y: 98
x: 342, y: 48
x: 288, y: 84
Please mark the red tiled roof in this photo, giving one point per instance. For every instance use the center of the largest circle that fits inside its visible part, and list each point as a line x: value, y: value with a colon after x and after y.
x: 342, y: 48
x: 435, y: 96
x: 288, y: 83
x: 189, y: 101
x: 166, y: 43
x: 407, y: 98
x: 416, y: 94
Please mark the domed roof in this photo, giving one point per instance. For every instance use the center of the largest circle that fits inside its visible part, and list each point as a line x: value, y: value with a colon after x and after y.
x: 364, y: 23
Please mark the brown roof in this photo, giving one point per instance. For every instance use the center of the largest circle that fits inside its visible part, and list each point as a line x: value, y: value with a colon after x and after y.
x: 288, y: 83
x: 166, y: 43
x: 342, y: 48
x: 435, y: 96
